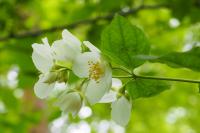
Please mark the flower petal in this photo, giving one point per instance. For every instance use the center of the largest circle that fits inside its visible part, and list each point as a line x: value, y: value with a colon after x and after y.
x: 108, y: 75
x: 43, y: 49
x: 70, y: 102
x: 65, y: 51
x: 70, y: 38
x: 42, y: 56
x: 81, y: 66
x: 116, y: 83
x: 109, y: 97
x: 121, y: 111
x: 41, y: 89
x: 91, y: 47
x: 96, y: 90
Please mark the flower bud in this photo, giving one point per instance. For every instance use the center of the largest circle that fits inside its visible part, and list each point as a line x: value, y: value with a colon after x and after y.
x: 50, y: 77
x: 70, y: 102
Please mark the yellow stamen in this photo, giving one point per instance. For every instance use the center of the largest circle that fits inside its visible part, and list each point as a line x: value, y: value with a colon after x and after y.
x: 95, y: 71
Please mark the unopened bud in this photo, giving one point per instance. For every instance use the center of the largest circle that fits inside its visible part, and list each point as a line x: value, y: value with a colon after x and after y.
x: 50, y: 77
x: 70, y: 102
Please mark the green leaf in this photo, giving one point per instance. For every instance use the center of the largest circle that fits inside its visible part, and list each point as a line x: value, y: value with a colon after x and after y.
x: 146, y: 88
x: 199, y: 88
x: 178, y: 7
x: 189, y: 59
x: 124, y: 43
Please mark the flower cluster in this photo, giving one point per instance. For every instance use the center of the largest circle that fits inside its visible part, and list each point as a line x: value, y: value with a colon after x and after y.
x: 95, y: 85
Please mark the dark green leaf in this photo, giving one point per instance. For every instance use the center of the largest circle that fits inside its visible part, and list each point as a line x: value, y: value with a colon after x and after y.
x: 123, y: 43
x: 146, y: 88
x: 189, y: 59
x: 179, y: 6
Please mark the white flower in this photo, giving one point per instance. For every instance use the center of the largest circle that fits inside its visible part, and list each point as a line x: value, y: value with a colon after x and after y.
x: 67, y: 48
x: 116, y: 84
x: 42, y: 89
x: 121, y: 111
x: 43, y: 59
x: 93, y: 66
x: 70, y: 102
x: 121, y: 108
x: 42, y: 56
x: 111, y: 96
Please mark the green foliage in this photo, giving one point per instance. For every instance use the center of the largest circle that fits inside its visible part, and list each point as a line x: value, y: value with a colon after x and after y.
x: 24, y: 114
x: 189, y: 59
x: 12, y: 103
x: 124, y: 43
x: 199, y: 88
x: 112, y: 5
x: 179, y: 6
x: 146, y: 88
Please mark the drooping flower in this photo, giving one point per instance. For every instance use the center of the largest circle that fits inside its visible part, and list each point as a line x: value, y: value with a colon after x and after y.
x: 121, y: 111
x: 111, y: 96
x: 69, y: 102
x: 121, y: 107
x: 93, y: 66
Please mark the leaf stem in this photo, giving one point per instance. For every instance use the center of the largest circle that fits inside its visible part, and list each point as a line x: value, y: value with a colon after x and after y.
x: 167, y: 79
x: 130, y: 76
x: 122, y: 69
x: 134, y: 76
x: 158, y: 78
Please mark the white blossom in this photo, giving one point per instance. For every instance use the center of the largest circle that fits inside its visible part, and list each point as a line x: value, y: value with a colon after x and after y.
x: 70, y: 102
x: 66, y: 49
x: 93, y: 66
x: 121, y: 111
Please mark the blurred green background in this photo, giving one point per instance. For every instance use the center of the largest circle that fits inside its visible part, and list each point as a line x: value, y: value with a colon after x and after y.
x: 171, y: 25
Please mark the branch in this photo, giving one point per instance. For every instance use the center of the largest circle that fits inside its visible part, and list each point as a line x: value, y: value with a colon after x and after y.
x: 134, y: 76
x: 86, y: 21
x: 158, y: 78
x: 167, y: 79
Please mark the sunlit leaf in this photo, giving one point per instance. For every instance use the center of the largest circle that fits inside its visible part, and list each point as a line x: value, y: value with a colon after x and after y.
x: 189, y: 59
x: 146, y: 88
x: 123, y: 43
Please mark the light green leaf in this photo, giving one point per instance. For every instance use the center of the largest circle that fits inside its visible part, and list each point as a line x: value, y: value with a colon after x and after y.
x: 189, y: 59
x: 124, y: 43
x: 199, y: 88
x: 146, y: 88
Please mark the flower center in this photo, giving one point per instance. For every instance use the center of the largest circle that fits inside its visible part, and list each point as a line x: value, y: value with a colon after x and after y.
x: 95, y: 70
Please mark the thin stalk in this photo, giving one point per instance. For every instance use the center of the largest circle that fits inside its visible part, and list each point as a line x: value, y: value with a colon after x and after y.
x: 167, y: 79
x: 158, y: 78
x: 122, y: 69
x: 132, y: 75
x: 123, y: 76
